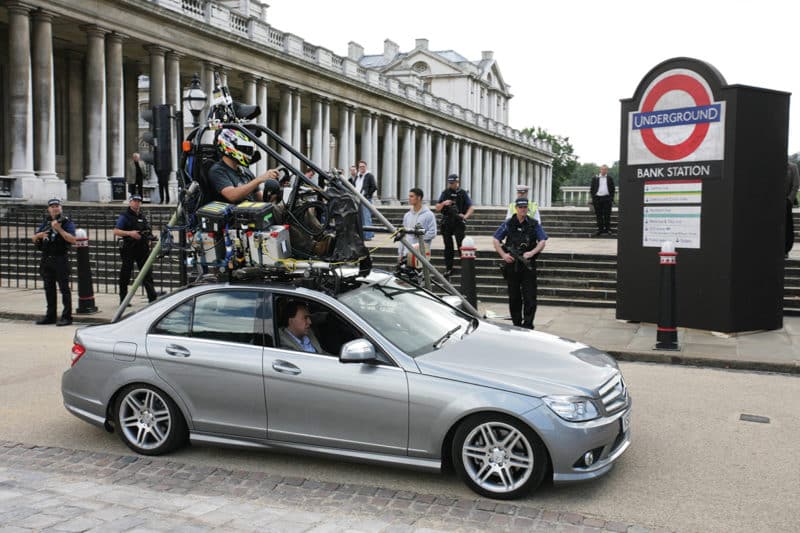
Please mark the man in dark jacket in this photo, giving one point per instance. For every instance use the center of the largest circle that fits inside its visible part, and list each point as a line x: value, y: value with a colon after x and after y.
x: 602, y: 191
x: 53, y: 237
x: 456, y: 207
x: 135, y: 234
x: 365, y: 183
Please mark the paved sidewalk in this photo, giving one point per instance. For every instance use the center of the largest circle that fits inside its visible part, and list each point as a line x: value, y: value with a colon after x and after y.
x: 776, y: 351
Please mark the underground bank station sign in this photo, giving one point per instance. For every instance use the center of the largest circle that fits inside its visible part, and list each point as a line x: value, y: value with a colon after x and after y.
x: 678, y: 131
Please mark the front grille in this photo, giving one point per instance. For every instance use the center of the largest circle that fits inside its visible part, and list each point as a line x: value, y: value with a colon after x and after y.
x: 614, y: 394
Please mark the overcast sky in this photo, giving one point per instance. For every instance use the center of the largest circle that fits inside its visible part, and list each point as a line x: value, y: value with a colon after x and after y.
x: 570, y: 62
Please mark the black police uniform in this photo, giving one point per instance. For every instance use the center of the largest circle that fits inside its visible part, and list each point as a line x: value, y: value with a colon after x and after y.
x: 521, y: 274
x: 453, y: 225
x: 134, y: 250
x: 54, y: 268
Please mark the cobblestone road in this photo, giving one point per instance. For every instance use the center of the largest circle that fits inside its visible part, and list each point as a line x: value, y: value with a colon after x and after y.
x: 61, y: 490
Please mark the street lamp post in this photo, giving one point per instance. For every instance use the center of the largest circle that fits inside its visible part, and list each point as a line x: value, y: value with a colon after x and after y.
x: 196, y: 98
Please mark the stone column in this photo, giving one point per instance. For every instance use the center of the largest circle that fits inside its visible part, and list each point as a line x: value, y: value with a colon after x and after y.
x: 44, y: 134
x: 297, y: 140
x: 261, y: 101
x: 542, y: 186
x: 285, y: 121
x: 466, y: 167
x: 452, y: 160
x: 326, y: 134
x: 343, y: 160
x: 207, y: 79
x: 174, y: 97
x: 351, y: 135
x: 116, y: 106
x: 477, y: 175
x: 406, y: 165
x: 413, y: 131
x: 386, y: 168
x: 395, y: 178
x: 439, y: 181
x: 316, y: 131
x: 366, y: 139
x: 157, y: 88
x: 131, y: 71
x: 515, y: 179
x: 549, y: 190
x: 488, y: 177
x: 424, y: 164
x: 95, y: 187
x: 374, y: 141
x: 505, y: 190
x: 499, y: 182
x: 248, y: 88
x: 75, y: 115
x: 20, y: 108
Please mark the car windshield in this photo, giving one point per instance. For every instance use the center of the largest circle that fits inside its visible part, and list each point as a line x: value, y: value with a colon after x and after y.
x: 412, y: 319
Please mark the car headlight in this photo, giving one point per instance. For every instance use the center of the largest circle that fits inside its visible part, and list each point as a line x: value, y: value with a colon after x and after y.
x: 572, y: 408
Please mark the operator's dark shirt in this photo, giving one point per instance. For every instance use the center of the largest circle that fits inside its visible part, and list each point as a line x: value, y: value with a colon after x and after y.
x: 502, y: 231
x: 221, y: 175
x: 56, y: 245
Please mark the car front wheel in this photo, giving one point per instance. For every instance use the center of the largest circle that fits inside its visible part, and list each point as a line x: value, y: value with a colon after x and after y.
x: 498, y: 457
x: 148, y: 421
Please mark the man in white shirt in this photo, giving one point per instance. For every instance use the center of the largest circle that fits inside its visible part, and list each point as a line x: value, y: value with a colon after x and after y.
x: 418, y: 214
x: 602, y: 191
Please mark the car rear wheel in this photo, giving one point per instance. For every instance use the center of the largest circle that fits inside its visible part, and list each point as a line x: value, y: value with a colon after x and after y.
x: 148, y: 421
x: 498, y: 457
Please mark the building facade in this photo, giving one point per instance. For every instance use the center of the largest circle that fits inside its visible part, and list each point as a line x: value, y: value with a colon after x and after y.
x: 71, y: 72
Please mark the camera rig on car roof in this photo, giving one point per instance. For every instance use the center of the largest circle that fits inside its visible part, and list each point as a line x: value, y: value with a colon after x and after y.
x: 309, y: 233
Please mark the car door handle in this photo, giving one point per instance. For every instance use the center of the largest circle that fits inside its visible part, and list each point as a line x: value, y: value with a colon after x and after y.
x: 285, y: 368
x: 177, y: 351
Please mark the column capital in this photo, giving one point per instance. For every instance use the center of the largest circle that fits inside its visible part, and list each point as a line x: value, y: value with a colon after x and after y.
x: 155, y: 50
x: 174, y: 56
x: 94, y: 30
x: 42, y: 15
x: 21, y: 8
x: 263, y: 82
x: 117, y: 37
x: 246, y: 76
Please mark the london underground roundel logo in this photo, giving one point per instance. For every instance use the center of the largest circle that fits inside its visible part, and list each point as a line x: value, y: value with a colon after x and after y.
x: 674, y: 102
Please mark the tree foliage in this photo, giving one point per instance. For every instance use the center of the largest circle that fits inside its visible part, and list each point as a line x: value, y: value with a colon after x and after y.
x: 564, y: 161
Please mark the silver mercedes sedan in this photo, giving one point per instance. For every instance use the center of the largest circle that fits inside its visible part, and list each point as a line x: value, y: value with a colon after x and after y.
x: 395, y: 376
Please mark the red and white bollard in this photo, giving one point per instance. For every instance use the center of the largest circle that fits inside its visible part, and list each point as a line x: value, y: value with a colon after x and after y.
x: 468, y: 289
x: 667, y: 331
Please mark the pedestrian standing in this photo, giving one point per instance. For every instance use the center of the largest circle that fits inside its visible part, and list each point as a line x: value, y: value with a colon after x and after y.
x: 792, y: 185
x: 533, y: 207
x: 365, y: 183
x: 523, y: 239
x: 53, y: 237
x: 602, y: 191
x: 417, y: 214
x: 135, y: 235
x: 456, y: 207
x: 136, y: 176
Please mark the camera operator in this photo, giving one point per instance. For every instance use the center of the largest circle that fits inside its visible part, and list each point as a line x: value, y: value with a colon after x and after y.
x: 54, y: 237
x: 456, y: 207
x: 135, y: 236
x: 230, y: 177
x: 524, y: 239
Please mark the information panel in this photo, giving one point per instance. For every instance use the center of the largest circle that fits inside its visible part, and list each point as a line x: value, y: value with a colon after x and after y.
x: 673, y: 192
x: 679, y: 224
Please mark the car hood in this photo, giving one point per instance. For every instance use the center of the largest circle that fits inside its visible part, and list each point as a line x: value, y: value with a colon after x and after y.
x: 521, y: 361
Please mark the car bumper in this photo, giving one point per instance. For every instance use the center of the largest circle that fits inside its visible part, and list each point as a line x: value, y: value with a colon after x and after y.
x: 568, y: 442
x: 87, y: 409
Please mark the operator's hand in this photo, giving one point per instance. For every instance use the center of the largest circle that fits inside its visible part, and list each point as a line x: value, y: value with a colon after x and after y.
x: 55, y: 224
x: 135, y: 235
x: 37, y: 237
x: 508, y: 258
x: 528, y: 254
x: 462, y: 215
x: 447, y: 202
x: 271, y: 174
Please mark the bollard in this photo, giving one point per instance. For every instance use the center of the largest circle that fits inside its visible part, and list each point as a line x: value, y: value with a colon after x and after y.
x: 468, y: 271
x: 667, y: 332
x: 86, y: 304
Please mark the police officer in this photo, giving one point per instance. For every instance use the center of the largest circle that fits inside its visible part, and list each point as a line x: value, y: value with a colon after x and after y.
x: 54, y: 237
x: 456, y: 207
x: 524, y: 239
x: 135, y: 235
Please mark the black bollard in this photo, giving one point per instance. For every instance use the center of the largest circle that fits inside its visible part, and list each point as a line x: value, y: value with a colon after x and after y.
x: 86, y: 304
x: 667, y: 332
x: 468, y: 271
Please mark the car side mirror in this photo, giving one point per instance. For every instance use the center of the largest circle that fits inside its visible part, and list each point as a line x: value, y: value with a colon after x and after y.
x: 358, y: 351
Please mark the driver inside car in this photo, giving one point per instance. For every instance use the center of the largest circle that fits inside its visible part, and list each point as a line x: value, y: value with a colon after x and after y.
x: 298, y: 334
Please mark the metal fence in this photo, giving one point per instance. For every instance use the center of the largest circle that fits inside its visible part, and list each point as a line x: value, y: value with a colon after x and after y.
x: 19, y: 258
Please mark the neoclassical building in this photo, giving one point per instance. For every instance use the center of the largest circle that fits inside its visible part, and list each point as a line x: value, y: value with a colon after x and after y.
x: 71, y: 73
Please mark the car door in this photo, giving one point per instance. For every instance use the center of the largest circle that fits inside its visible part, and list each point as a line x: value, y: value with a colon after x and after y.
x: 210, y: 350
x: 314, y: 399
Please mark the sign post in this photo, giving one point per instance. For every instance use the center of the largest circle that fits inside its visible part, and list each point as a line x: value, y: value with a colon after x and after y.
x: 702, y: 164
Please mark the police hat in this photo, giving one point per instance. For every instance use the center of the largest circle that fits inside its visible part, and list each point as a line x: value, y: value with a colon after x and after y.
x: 137, y: 197
x: 452, y: 177
x: 53, y: 201
x: 522, y: 188
x: 521, y: 202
